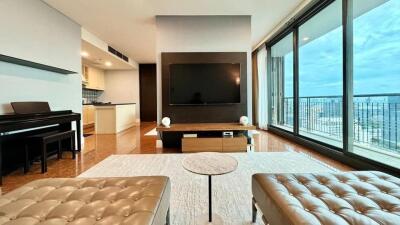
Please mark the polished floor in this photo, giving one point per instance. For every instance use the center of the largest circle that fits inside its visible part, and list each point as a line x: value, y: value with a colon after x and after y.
x: 134, y: 141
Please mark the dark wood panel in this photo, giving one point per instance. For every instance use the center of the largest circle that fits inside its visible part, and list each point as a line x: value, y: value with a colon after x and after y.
x: 224, y: 113
x: 148, y: 92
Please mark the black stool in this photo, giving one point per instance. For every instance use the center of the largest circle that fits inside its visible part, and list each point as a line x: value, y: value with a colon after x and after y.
x: 43, y: 140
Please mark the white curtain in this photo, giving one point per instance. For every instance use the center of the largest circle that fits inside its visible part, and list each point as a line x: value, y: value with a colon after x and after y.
x: 262, y: 88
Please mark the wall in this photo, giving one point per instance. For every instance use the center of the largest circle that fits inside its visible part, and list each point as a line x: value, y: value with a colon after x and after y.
x: 91, y: 95
x: 33, y: 31
x: 203, y: 34
x: 122, y: 86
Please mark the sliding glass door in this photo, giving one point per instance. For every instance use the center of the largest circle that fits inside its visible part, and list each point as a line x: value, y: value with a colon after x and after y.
x: 321, y: 76
x: 336, y: 83
x: 376, y: 80
x: 282, y: 83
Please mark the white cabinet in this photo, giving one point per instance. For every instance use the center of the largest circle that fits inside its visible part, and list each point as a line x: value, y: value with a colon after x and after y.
x: 100, y: 81
x: 111, y: 119
x: 94, y: 78
x: 85, y: 74
x: 88, y: 112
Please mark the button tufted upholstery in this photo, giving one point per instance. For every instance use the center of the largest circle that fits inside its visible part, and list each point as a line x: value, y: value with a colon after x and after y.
x: 344, y: 198
x: 75, y: 201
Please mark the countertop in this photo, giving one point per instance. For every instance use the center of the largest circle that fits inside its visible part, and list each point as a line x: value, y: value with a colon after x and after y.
x: 108, y: 104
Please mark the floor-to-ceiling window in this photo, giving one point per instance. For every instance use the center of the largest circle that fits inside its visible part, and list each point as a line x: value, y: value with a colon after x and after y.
x: 321, y: 75
x: 376, y: 80
x: 282, y: 83
x: 342, y: 87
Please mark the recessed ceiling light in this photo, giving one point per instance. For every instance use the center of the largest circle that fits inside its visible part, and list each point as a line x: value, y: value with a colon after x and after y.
x: 306, y: 38
x: 84, y: 54
x: 107, y: 63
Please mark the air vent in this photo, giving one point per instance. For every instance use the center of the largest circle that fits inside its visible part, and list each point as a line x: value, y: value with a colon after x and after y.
x: 118, y: 54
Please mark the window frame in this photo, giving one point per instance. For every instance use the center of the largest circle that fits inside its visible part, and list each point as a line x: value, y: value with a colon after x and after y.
x: 271, y: 83
x: 344, y: 154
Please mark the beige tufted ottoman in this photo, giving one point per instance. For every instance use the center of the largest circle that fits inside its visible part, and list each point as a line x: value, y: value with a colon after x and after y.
x: 75, y: 201
x: 344, y: 198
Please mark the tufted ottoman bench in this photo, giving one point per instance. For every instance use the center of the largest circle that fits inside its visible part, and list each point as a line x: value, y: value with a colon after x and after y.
x: 75, y: 201
x: 344, y: 198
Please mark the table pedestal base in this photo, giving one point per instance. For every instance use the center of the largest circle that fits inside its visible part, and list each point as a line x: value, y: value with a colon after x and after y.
x: 210, y: 163
x: 203, y: 220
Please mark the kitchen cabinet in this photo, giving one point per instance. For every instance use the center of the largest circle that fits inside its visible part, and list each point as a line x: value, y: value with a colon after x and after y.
x: 85, y: 74
x: 88, y: 112
x: 100, y: 81
x: 94, y: 78
x: 112, y: 119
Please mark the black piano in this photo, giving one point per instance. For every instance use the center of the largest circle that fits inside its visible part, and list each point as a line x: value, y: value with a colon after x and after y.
x: 32, y: 118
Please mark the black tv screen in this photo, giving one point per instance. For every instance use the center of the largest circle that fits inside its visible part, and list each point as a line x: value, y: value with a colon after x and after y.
x: 205, y: 83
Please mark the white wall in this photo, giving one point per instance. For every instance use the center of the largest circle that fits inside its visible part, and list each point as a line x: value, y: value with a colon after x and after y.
x: 122, y: 86
x: 203, y: 34
x: 33, y: 31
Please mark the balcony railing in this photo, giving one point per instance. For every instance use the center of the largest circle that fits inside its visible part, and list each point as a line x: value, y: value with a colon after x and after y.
x: 376, y: 118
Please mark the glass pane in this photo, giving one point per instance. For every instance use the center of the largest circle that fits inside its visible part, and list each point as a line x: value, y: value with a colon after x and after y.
x: 282, y: 83
x: 376, y: 80
x: 321, y: 75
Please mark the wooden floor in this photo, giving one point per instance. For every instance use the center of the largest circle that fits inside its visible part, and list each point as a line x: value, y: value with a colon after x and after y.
x: 134, y: 141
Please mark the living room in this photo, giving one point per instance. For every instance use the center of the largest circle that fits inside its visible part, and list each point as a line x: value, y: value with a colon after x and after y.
x: 199, y: 112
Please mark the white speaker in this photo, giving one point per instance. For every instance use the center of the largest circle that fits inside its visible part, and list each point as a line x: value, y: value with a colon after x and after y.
x: 166, y: 121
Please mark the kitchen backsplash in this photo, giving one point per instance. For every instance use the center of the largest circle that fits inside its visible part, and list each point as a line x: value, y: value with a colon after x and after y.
x: 91, y: 95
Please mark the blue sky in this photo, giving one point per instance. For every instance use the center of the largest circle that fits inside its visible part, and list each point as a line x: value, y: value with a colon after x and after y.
x: 376, y: 57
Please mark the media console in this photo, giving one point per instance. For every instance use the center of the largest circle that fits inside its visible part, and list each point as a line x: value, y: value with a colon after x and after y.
x: 209, y: 137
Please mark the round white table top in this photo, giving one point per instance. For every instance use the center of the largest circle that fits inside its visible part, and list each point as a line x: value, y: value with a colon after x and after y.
x: 209, y: 163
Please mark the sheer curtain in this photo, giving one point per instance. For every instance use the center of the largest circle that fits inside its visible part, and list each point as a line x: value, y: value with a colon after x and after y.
x: 262, y: 88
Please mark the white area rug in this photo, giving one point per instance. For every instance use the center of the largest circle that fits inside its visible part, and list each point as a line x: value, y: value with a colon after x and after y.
x: 189, y: 196
x: 151, y: 133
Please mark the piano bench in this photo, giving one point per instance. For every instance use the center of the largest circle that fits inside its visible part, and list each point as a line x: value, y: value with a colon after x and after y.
x: 43, y: 140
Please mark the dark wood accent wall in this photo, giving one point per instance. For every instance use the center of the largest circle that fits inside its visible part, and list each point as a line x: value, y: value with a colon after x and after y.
x: 223, y: 113
x: 148, y: 92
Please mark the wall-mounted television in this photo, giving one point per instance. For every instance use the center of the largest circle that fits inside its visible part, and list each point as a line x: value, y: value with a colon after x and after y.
x: 204, y: 83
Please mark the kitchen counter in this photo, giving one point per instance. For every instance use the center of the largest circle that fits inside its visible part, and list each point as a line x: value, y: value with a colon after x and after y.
x: 108, y: 104
x: 114, y: 118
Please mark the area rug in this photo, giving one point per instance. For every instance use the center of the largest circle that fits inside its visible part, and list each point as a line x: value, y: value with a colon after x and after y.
x: 189, y: 196
x: 153, y: 132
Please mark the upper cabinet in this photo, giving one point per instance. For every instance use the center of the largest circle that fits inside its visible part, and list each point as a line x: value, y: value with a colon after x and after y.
x: 93, y: 78
x: 100, y: 81
x: 85, y: 74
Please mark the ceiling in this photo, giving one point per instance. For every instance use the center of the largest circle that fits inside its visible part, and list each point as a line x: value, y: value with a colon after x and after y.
x: 97, y: 57
x: 130, y: 25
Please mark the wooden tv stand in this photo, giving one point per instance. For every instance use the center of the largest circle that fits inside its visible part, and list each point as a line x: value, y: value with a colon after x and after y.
x: 238, y: 143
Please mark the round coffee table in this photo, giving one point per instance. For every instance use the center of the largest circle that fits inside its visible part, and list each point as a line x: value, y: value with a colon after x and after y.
x: 210, y: 164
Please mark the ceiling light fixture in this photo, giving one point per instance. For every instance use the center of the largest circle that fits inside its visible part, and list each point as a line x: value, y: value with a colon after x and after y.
x: 107, y: 63
x: 306, y: 38
x: 84, y: 53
